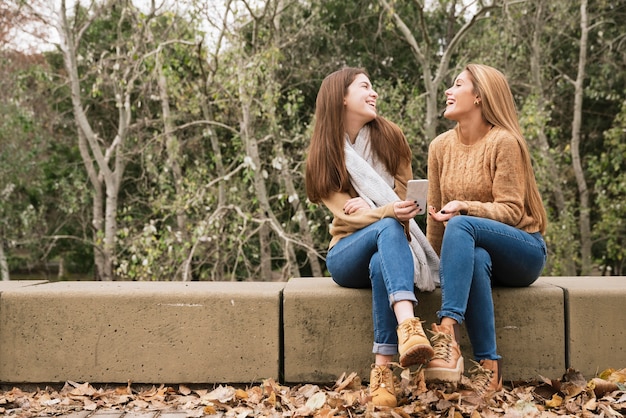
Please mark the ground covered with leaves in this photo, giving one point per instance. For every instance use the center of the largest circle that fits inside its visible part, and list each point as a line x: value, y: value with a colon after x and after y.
x: 571, y: 395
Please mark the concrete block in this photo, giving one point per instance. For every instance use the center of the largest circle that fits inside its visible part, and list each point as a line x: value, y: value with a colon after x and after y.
x: 596, y: 322
x: 328, y: 330
x: 15, y: 284
x: 145, y: 332
x: 530, y: 331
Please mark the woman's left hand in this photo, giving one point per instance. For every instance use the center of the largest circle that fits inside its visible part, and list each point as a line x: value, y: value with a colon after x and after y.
x: 450, y: 209
x: 405, y: 210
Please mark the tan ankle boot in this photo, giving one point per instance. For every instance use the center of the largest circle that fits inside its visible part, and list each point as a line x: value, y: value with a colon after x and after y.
x: 413, y: 346
x: 447, y: 363
x: 382, y: 389
x: 486, y: 377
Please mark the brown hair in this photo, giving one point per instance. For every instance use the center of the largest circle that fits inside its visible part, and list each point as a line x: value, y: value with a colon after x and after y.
x: 498, y: 109
x: 325, y: 165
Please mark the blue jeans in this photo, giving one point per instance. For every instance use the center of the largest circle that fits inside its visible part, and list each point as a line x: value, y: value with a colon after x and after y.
x: 377, y: 256
x: 476, y: 253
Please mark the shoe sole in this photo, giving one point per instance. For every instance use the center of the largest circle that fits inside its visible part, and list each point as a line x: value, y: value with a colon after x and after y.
x: 445, y: 374
x: 420, y: 354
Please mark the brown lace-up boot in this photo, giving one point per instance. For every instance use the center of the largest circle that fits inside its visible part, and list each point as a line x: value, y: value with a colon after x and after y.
x: 413, y: 346
x: 447, y: 363
x: 486, y: 377
x: 382, y: 389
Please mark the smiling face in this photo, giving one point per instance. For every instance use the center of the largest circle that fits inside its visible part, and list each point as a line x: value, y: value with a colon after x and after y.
x: 360, y: 101
x: 460, y: 98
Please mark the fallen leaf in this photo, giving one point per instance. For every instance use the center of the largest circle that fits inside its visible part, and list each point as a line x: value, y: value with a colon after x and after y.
x: 351, y: 382
x: 347, y: 398
x: 222, y: 394
x: 555, y: 402
x: 241, y: 394
x: 316, y: 401
x: 600, y: 387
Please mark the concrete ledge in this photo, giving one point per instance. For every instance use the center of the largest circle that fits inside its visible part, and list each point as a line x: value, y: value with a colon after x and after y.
x: 146, y: 332
x: 305, y: 330
x: 16, y: 284
x: 596, y: 322
x: 328, y: 329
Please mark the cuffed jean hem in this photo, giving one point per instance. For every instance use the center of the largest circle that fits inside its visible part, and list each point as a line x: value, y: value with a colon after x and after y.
x: 402, y: 295
x: 477, y: 359
x: 385, y: 349
x: 458, y: 318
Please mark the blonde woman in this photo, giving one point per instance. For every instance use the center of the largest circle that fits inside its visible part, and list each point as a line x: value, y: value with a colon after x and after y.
x: 358, y: 166
x: 486, y: 220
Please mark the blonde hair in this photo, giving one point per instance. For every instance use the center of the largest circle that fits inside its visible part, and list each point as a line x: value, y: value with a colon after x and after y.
x: 498, y: 109
x: 325, y: 165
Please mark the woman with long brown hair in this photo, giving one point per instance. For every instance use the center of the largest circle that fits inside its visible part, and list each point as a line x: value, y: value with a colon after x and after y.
x: 486, y: 221
x: 358, y: 166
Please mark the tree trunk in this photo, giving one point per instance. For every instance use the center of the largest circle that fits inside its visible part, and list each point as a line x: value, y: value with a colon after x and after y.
x: 61, y: 272
x: 583, y: 191
x: 87, y: 142
x: 4, y: 265
x: 105, y: 181
x: 207, y: 113
x: 97, y: 206
x: 252, y: 152
x: 172, y: 146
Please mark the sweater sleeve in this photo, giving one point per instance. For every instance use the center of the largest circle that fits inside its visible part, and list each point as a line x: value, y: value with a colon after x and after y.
x: 344, y: 225
x: 434, y: 229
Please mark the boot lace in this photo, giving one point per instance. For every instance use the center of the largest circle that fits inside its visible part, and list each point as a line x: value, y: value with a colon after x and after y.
x: 442, y: 345
x: 381, y: 377
x: 411, y: 327
x: 481, y: 378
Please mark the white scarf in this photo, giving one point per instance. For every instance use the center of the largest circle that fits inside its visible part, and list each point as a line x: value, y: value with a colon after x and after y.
x: 371, y: 186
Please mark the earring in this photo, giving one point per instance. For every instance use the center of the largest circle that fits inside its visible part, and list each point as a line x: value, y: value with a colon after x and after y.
x: 476, y: 102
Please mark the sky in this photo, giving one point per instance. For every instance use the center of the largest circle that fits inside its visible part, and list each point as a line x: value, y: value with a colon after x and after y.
x: 24, y: 40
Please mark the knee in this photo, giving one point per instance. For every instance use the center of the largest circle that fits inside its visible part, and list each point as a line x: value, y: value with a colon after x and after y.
x: 375, y: 267
x: 459, y: 228
x: 390, y: 225
x: 482, y: 261
x: 458, y: 222
x: 481, y: 256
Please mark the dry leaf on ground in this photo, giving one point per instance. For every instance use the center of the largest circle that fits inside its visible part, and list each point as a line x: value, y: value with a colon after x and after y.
x: 571, y: 395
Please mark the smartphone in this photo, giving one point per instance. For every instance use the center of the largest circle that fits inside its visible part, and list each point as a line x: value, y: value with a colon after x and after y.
x: 417, y: 190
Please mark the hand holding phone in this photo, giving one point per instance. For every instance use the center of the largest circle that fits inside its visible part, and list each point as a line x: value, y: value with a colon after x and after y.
x: 417, y: 191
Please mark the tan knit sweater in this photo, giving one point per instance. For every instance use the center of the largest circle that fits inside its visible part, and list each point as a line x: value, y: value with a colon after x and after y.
x: 488, y: 176
x: 344, y: 225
